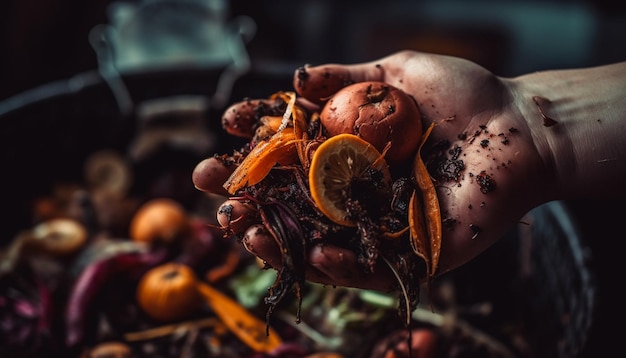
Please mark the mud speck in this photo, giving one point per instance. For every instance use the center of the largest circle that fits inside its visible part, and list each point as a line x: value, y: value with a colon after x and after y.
x: 449, y: 223
x: 444, y: 162
x: 475, y: 230
x: 486, y: 183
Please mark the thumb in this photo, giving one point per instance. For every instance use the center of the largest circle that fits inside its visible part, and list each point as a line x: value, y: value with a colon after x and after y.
x: 318, y: 83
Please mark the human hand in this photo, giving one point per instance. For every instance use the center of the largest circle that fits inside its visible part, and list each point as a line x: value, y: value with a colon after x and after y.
x: 481, y: 154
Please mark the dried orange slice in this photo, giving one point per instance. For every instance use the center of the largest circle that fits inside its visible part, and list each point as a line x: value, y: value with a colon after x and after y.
x: 337, y: 164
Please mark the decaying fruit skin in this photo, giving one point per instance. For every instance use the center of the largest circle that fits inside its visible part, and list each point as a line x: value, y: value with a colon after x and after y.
x: 380, y: 114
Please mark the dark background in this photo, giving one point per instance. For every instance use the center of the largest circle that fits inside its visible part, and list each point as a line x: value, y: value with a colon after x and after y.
x: 46, y: 41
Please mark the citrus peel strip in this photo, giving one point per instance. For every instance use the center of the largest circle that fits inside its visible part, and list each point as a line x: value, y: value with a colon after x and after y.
x: 430, y: 212
x: 263, y: 157
x: 288, y: 133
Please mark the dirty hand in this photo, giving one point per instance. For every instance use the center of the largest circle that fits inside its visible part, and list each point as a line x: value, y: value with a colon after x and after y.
x: 496, y: 142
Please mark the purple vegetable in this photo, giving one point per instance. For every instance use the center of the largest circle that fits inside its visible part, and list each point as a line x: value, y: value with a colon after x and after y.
x: 286, y: 349
x: 93, y: 278
x: 25, y: 313
x: 282, y: 223
x: 204, y: 245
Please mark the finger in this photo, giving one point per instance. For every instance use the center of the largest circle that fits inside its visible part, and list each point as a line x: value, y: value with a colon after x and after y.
x: 319, y: 83
x: 340, y: 267
x: 211, y: 173
x: 242, y: 118
x: 308, y: 105
x: 328, y: 265
x: 237, y: 215
x: 260, y: 242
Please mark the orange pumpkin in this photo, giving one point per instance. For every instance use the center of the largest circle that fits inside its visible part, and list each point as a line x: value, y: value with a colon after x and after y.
x: 169, y: 292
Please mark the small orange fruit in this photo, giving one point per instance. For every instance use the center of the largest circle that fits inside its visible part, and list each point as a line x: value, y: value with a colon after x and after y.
x: 159, y: 220
x: 347, y: 167
x: 169, y: 292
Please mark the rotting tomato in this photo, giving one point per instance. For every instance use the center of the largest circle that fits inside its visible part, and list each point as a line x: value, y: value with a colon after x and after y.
x: 379, y: 113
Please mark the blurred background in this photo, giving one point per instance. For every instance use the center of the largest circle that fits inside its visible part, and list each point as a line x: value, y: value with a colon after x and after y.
x: 49, y: 48
x: 46, y: 41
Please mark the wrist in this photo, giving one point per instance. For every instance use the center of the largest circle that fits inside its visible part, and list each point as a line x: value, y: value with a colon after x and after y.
x: 576, y: 120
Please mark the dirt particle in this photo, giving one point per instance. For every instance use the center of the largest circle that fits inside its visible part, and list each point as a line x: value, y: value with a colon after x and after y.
x: 487, y: 184
x: 473, y: 137
x: 547, y: 121
x: 302, y: 75
x: 445, y: 163
x: 449, y: 223
x: 484, y: 143
x: 475, y: 230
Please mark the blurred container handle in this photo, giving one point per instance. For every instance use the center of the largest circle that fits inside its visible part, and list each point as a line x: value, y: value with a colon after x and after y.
x: 170, y: 35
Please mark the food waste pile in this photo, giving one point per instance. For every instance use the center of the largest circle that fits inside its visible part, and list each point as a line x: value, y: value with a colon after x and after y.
x: 110, y: 270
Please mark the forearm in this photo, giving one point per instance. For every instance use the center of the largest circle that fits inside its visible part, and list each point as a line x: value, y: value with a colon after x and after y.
x: 578, y: 122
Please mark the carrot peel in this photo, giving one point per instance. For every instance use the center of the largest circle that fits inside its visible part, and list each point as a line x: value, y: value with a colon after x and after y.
x: 248, y: 328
